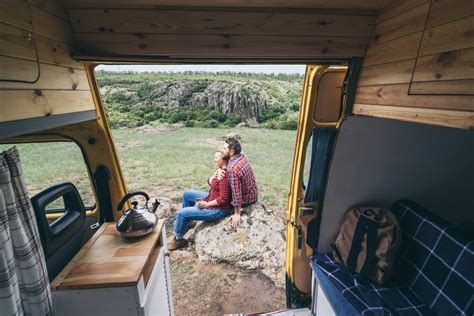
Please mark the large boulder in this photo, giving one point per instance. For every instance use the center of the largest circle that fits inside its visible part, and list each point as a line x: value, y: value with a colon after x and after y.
x: 258, y: 244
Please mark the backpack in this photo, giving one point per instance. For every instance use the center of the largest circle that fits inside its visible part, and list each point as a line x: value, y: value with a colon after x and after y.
x: 368, y: 243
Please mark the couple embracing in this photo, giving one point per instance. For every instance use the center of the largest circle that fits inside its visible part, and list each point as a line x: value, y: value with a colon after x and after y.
x: 232, y: 187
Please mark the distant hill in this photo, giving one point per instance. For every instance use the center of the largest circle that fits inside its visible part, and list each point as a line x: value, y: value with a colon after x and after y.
x: 201, y: 99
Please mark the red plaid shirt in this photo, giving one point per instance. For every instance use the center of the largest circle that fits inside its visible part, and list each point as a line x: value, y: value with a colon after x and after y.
x: 220, y: 191
x: 242, y: 181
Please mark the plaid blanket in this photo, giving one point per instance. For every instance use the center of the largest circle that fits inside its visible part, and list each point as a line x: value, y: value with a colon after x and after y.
x: 433, y: 271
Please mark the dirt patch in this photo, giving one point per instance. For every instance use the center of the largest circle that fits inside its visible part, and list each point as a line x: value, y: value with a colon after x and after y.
x: 204, y: 288
x: 130, y: 144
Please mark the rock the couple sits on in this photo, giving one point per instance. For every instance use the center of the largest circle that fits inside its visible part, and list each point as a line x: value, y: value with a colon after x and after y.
x: 232, y: 187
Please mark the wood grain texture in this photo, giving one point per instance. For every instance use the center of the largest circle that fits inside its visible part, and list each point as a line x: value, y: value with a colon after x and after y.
x: 219, y: 45
x: 448, y: 87
x: 51, y: 26
x: 53, y: 52
x: 218, y: 22
x: 397, y: 95
x: 340, y: 4
x: 24, y: 104
x: 109, y: 260
x: 458, y: 119
x: 16, y: 42
x: 16, y: 13
x: 51, y: 77
x: 401, y: 25
x: 452, y: 65
x: 54, y: 7
x: 395, y: 50
x: 443, y: 11
x: 450, y: 36
x: 18, y: 69
x: 391, y: 73
x: 397, y: 7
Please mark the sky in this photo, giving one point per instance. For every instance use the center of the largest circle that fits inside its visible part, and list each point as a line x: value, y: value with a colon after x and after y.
x: 268, y: 69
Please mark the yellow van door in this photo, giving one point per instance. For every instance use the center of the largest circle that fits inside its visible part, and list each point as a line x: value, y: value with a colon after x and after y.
x: 321, y: 113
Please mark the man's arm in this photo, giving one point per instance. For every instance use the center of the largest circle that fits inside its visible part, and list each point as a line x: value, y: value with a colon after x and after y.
x: 236, y: 187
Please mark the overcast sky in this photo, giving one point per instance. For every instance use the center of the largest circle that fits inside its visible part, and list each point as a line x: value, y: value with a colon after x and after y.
x: 210, y: 68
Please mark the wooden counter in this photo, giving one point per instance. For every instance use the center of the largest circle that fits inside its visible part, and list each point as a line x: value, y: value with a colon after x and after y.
x: 109, y: 263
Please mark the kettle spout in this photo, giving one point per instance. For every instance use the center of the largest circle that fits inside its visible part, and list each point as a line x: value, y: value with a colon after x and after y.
x: 154, y: 205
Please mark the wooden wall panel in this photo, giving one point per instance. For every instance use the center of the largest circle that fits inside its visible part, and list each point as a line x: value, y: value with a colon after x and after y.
x: 443, y: 11
x: 450, y: 36
x: 388, y: 73
x: 395, y: 50
x: 42, y: 43
x: 401, y: 25
x: 397, y: 7
x: 218, y: 22
x: 420, y: 64
x: 24, y: 104
x: 18, y: 69
x: 51, y: 77
x: 16, y: 13
x: 16, y: 42
x: 458, y: 119
x: 50, y: 26
x: 397, y: 94
x: 451, y: 65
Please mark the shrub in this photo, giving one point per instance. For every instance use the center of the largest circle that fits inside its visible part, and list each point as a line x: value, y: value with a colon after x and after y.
x: 213, y: 123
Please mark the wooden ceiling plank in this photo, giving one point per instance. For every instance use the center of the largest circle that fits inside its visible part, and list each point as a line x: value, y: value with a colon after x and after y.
x: 338, y: 4
x: 218, y: 22
x: 219, y: 45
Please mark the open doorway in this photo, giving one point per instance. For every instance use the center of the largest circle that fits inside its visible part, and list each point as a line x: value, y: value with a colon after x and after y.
x: 167, y: 122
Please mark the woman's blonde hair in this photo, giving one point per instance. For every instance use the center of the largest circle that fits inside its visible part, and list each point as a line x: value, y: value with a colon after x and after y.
x: 226, y: 159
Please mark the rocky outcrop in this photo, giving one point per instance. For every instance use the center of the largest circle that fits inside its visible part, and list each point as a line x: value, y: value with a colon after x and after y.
x: 246, y: 100
x: 257, y: 244
x: 173, y: 93
x: 232, y: 98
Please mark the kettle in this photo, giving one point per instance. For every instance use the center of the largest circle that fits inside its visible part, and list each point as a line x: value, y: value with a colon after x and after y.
x: 137, y: 221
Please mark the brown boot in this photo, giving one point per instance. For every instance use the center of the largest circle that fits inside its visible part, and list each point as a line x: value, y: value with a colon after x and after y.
x: 177, y: 243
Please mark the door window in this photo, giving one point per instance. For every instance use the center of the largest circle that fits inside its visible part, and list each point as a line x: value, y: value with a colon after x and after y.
x: 48, y: 163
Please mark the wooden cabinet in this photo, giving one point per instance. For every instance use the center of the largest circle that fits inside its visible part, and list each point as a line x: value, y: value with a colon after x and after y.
x: 113, y: 275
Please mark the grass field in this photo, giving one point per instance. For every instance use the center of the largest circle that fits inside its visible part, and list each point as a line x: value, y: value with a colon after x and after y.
x: 167, y: 163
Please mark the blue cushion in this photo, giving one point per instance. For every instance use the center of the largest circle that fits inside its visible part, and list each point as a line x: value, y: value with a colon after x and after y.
x: 434, y: 261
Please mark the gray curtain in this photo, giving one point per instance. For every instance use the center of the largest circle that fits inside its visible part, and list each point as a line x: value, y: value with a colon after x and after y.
x: 24, y: 286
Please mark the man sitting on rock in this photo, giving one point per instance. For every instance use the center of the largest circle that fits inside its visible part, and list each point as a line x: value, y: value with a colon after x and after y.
x: 241, y: 178
x: 203, y: 206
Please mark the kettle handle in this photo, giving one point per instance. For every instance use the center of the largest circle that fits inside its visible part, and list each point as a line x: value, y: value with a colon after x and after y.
x: 130, y: 195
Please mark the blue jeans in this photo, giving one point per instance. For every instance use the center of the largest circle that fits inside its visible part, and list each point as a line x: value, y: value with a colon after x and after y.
x: 191, y: 213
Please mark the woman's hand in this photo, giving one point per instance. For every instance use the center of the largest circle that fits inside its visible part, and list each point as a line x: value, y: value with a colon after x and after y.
x: 202, y: 204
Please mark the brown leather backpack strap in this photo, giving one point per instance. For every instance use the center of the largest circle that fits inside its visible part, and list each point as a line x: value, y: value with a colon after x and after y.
x: 364, y: 226
x: 371, y: 248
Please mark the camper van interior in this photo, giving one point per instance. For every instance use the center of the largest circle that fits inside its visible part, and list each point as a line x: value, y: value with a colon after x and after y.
x: 386, y: 120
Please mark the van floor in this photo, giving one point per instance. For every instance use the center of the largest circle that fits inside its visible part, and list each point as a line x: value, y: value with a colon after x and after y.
x: 204, y: 288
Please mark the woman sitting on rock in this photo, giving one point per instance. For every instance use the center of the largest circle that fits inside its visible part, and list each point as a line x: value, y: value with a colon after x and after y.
x: 203, y: 206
